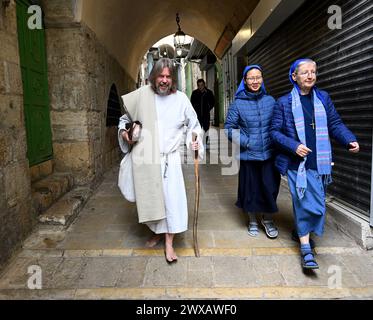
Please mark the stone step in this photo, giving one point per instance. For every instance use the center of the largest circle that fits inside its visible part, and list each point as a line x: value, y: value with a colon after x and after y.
x: 192, y: 293
x: 66, y: 208
x: 47, y: 191
x: 50, y: 241
x: 112, y: 276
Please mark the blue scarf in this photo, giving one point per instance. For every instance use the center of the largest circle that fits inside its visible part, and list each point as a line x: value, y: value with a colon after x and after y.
x: 242, y: 86
x: 324, y: 154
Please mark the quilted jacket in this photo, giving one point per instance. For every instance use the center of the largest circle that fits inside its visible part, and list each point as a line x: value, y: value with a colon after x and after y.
x: 284, y: 135
x: 252, y: 114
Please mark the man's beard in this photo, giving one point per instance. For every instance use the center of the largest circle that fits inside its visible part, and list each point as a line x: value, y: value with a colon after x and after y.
x: 163, y: 91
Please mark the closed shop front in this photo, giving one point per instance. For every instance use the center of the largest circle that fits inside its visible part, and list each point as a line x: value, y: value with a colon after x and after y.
x: 345, y: 71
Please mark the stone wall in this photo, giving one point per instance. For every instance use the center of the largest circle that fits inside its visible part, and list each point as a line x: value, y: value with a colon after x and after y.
x: 81, y: 72
x: 16, y: 218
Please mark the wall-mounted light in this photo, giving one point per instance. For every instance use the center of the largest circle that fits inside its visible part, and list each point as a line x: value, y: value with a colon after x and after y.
x: 179, y: 51
x: 179, y: 36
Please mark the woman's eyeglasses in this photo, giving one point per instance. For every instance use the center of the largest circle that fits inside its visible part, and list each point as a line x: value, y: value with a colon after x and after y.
x: 252, y: 79
x: 306, y: 73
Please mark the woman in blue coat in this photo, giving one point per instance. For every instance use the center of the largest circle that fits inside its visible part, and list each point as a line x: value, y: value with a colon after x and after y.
x: 303, y: 122
x: 247, y: 124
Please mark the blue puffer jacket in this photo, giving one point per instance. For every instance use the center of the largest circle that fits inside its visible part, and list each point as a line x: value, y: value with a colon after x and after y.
x: 252, y: 114
x: 285, y: 137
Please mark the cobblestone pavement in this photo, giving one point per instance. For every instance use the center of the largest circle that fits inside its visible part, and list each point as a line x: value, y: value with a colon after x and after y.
x: 102, y: 254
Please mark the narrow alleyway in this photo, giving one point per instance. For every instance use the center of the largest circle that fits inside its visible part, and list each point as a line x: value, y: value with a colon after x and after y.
x: 102, y: 254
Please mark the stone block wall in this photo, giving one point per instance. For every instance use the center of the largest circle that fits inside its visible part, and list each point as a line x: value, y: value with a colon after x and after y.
x: 81, y: 72
x: 16, y: 217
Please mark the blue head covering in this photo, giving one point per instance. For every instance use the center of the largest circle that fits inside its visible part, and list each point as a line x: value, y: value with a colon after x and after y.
x: 292, y: 69
x: 242, y: 86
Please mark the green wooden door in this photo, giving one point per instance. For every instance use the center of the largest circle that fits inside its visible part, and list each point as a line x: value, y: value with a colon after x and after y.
x: 35, y: 88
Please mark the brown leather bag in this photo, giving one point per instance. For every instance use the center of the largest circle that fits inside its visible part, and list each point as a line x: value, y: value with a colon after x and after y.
x: 134, y: 130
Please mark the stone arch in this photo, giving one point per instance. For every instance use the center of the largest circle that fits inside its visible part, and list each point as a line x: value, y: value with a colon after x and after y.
x: 215, y: 25
x: 113, y: 109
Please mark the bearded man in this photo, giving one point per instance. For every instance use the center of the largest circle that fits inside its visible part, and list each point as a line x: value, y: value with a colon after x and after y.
x: 158, y: 179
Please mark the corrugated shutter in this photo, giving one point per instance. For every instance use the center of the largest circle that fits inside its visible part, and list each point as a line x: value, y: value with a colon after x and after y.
x: 345, y: 67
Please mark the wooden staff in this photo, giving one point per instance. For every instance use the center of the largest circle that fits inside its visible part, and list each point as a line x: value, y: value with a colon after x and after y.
x: 196, y: 200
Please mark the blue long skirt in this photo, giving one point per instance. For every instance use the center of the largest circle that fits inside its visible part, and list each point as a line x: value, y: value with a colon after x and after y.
x: 309, y: 212
x: 258, y: 186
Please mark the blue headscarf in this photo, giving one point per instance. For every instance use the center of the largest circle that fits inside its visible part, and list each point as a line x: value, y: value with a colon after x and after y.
x: 292, y: 69
x: 242, y: 86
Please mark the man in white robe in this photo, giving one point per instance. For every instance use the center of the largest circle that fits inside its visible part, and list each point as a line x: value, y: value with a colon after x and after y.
x: 164, y: 112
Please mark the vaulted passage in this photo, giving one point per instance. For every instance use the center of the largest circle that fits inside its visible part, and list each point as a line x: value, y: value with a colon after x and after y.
x: 60, y: 206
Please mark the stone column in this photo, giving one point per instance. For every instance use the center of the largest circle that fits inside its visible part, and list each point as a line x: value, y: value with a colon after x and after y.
x: 16, y: 218
x: 81, y: 72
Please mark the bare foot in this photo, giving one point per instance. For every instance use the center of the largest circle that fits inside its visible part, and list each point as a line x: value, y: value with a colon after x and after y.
x: 170, y: 254
x: 153, y: 241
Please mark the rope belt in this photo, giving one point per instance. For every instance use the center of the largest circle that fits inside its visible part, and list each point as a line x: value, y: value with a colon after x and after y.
x: 166, y: 164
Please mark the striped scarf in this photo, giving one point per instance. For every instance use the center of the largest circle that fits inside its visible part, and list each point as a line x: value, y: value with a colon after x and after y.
x: 324, y: 154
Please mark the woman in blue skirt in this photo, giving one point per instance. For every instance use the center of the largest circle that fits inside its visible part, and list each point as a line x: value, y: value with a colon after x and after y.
x: 247, y: 124
x: 303, y: 122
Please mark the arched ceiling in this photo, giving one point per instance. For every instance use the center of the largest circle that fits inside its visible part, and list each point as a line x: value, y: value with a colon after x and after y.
x: 129, y: 28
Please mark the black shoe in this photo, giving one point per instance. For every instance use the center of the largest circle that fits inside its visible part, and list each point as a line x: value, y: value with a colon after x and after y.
x: 295, y: 237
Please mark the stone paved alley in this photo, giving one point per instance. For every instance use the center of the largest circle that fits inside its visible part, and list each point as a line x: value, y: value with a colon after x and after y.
x: 102, y: 254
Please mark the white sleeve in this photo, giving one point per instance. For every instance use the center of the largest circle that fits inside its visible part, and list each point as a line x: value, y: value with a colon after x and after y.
x: 193, y: 126
x: 124, y: 146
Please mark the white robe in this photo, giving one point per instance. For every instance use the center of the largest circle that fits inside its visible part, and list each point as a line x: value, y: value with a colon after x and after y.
x: 174, y: 112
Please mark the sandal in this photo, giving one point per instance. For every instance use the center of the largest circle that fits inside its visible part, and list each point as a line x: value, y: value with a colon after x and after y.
x: 253, y: 230
x: 270, y: 228
x: 309, y: 263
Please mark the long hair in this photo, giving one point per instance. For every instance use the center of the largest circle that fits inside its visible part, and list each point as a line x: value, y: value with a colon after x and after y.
x: 157, y: 70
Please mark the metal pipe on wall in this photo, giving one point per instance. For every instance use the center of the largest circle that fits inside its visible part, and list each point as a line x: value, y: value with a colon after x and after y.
x: 371, y: 187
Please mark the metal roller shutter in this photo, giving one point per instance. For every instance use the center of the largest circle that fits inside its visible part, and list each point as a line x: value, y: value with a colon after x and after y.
x: 345, y: 71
